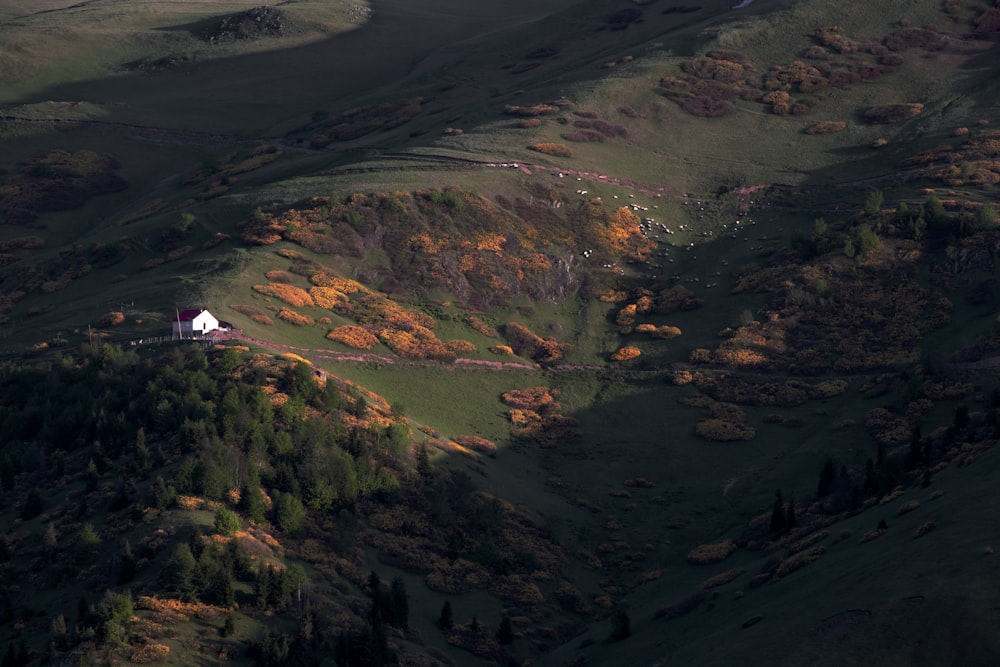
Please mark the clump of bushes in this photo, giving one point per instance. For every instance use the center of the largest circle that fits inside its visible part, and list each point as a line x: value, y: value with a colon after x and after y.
x: 477, y: 444
x: 799, y: 560
x: 293, y: 296
x: 722, y: 578
x: 531, y: 111
x: 892, y: 113
x: 626, y: 353
x: 724, y: 430
x: 255, y: 314
x: 708, y: 554
x: 526, y: 343
x: 826, y: 127
x: 554, y: 149
x: 353, y: 336
x: 112, y: 319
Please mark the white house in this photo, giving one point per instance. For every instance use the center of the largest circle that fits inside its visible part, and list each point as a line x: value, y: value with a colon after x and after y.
x: 193, y: 322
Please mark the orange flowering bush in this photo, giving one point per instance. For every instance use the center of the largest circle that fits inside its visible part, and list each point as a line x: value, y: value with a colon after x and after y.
x: 502, y: 349
x: 528, y: 344
x: 481, y: 327
x: 626, y: 318
x: 353, y: 336
x: 148, y: 653
x: 626, y: 353
x: 111, y: 319
x: 532, y: 398
x: 297, y: 319
x: 328, y: 297
x: 344, y: 285
x: 293, y: 296
x: 477, y: 444
x: 459, y: 346
x: 254, y: 313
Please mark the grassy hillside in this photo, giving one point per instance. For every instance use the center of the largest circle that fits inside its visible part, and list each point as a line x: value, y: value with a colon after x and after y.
x: 632, y: 331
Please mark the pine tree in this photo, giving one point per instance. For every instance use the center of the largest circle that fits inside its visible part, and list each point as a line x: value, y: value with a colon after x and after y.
x: 423, y: 462
x: 251, y: 501
x: 399, y: 603
x: 228, y: 627
x: 871, y: 478
x: 505, y: 634
x: 261, y: 587
x: 177, y: 575
x: 621, y: 627
x: 126, y: 569
x: 778, y: 515
x: 961, y: 417
x: 445, y: 618
x: 826, y: 478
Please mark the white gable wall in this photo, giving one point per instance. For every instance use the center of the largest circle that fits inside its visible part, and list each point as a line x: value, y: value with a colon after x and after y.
x: 201, y: 323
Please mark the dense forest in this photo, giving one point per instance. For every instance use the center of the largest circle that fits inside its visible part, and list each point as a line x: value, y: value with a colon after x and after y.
x: 257, y: 473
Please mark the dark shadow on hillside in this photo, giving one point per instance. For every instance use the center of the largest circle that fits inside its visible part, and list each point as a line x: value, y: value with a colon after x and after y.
x: 402, y: 50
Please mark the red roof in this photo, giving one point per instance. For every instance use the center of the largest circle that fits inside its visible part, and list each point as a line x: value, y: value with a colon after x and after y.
x: 188, y: 315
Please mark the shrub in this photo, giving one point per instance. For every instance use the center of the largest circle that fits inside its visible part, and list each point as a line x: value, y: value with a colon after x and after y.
x: 534, y: 110
x: 708, y: 554
x: 328, y: 297
x: 502, y: 349
x: 112, y: 319
x: 688, y: 604
x: 353, y: 336
x: 179, y: 253
x: 227, y: 522
x: 826, y: 127
x: 626, y: 353
x: 477, y: 444
x: 799, y: 560
x: 532, y: 398
x: 459, y: 346
x: 278, y: 276
x: 554, y: 149
x: 293, y: 296
x: 255, y: 314
x: 893, y: 113
x: 704, y: 106
x: 297, y: 319
x: 924, y: 529
x: 722, y: 430
x: 722, y: 578
x: 481, y: 327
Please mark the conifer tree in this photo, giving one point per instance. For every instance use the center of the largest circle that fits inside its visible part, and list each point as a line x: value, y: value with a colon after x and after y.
x: 445, y: 618
x: 621, y: 627
x: 399, y: 603
x: 505, y: 634
x: 778, y: 515
x: 423, y: 462
x: 826, y: 478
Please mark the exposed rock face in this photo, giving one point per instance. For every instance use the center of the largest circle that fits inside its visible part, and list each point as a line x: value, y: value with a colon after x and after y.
x: 254, y: 23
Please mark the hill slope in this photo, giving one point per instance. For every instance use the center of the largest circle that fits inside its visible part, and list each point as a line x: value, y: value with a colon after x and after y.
x: 566, y: 332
